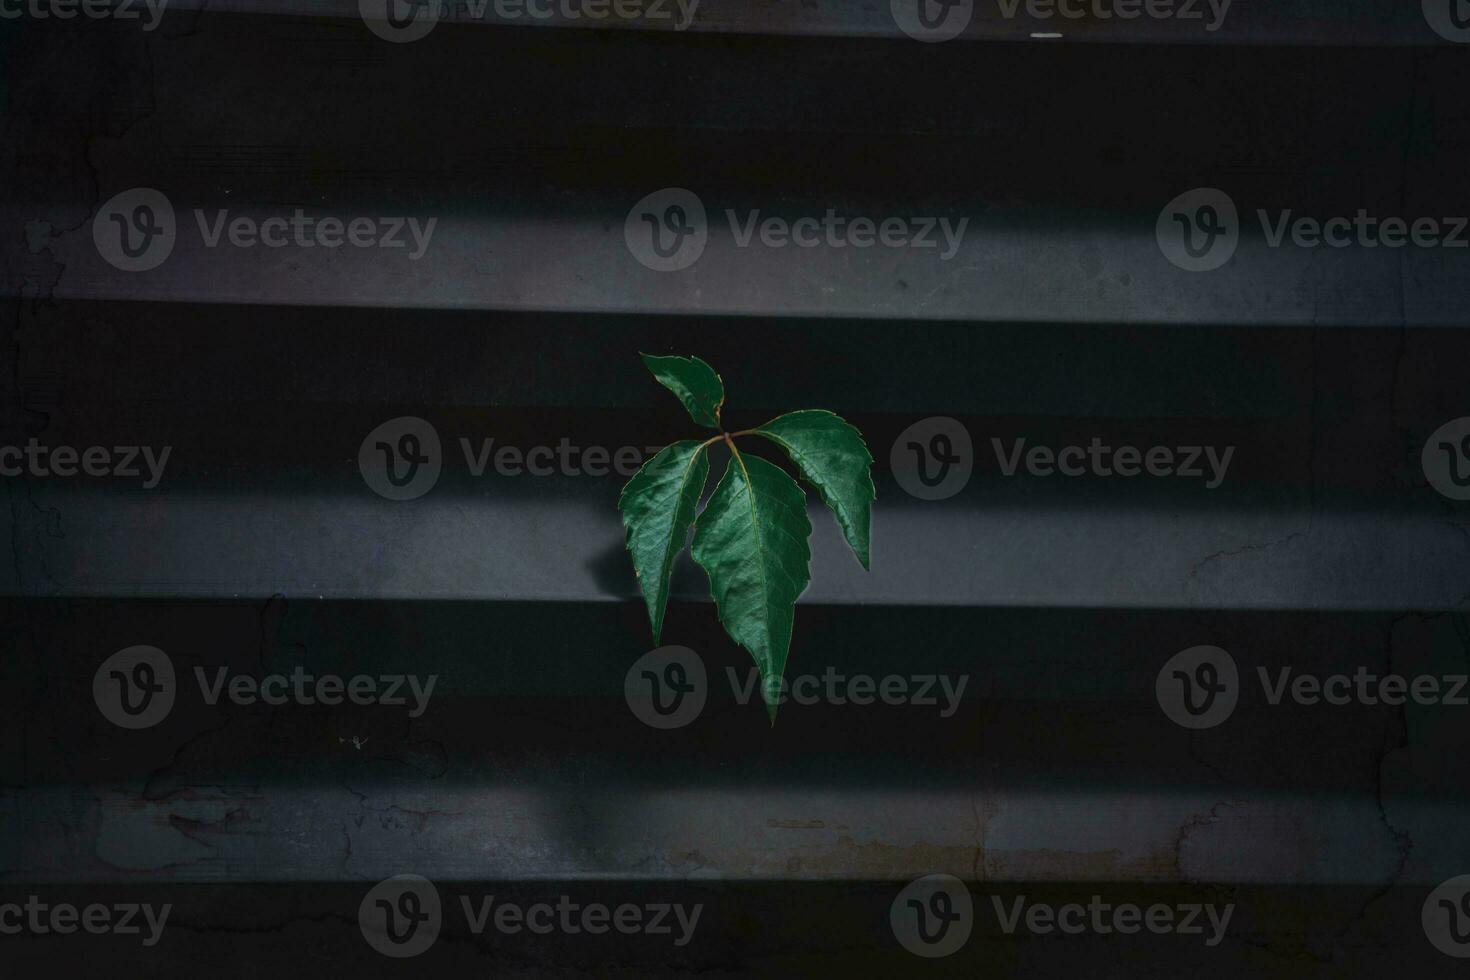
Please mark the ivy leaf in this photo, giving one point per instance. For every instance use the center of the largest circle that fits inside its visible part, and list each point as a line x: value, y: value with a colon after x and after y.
x: 658, y: 507
x: 695, y: 382
x: 832, y: 456
x: 752, y: 542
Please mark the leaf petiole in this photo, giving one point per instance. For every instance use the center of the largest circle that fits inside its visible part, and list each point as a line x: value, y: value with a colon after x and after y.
x: 727, y: 437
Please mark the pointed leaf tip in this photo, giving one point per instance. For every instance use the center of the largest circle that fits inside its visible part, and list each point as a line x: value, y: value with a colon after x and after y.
x: 694, y: 382
x: 658, y: 505
x: 753, y: 542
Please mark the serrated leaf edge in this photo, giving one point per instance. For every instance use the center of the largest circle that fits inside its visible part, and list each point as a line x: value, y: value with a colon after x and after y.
x: 697, y: 360
x: 675, y: 546
x: 736, y: 458
x: 796, y: 454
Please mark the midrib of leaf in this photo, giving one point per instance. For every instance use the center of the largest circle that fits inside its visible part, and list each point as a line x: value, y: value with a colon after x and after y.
x: 795, y: 453
x: 760, y: 541
x: 805, y: 461
x: 676, y: 545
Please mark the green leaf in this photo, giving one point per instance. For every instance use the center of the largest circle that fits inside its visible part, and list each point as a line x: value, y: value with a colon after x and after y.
x: 752, y: 541
x: 658, y: 507
x: 832, y: 456
x: 695, y: 382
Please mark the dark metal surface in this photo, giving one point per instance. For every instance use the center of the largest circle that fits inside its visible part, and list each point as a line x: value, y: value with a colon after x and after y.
x: 1326, y: 548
